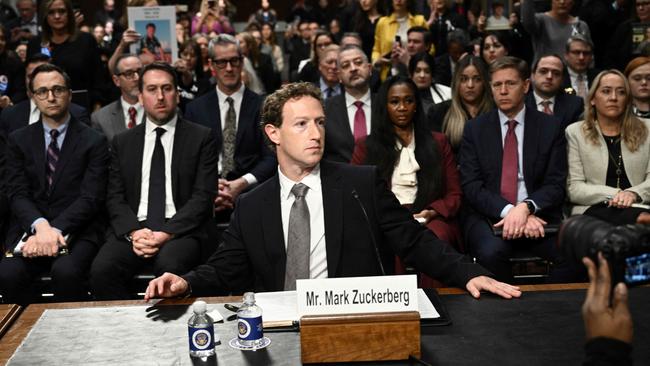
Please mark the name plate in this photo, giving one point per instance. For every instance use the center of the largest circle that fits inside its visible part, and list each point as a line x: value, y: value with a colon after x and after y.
x: 355, y: 295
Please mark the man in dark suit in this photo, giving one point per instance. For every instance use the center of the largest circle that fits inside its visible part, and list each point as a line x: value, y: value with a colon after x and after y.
x: 578, y: 57
x: 160, y: 191
x: 547, y: 95
x: 457, y: 41
x: 299, y: 46
x: 232, y: 111
x: 126, y: 112
x: 513, y: 169
x: 4, y: 203
x: 56, y: 182
x: 26, y: 112
x: 317, y: 219
x: 348, y: 115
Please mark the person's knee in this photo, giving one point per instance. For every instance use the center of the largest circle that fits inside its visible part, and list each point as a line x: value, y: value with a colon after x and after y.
x: 12, y: 273
x: 67, y: 271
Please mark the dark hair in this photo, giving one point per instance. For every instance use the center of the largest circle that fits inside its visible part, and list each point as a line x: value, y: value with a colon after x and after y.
x: 46, y: 30
x: 429, y: 60
x: 158, y: 66
x: 150, y: 25
x: 381, y: 150
x: 49, y: 68
x: 545, y: 55
x: 428, y: 38
x: 502, y: 37
x: 37, y: 57
x: 510, y: 62
x: 274, y: 103
x: 410, y: 6
x: 361, y: 18
x: 319, y: 33
x: 191, y: 44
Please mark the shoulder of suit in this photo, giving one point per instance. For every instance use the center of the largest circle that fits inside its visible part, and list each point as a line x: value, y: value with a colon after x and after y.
x: 193, y: 126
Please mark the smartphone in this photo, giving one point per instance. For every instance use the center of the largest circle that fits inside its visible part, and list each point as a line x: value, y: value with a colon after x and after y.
x: 398, y: 40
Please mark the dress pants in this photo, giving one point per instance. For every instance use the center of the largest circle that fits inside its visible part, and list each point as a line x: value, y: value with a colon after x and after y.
x: 116, y: 264
x: 69, y: 275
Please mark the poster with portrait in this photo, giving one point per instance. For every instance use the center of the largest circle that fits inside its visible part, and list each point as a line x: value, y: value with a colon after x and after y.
x: 156, y: 26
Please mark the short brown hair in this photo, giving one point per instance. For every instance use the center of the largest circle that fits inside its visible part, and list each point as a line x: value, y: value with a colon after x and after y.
x: 509, y: 62
x: 274, y: 103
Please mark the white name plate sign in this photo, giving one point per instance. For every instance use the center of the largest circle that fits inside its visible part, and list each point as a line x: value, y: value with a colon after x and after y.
x: 354, y: 295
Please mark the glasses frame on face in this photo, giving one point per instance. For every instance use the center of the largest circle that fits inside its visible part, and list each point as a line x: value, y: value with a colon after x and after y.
x: 43, y: 93
x: 234, y: 62
x: 130, y: 74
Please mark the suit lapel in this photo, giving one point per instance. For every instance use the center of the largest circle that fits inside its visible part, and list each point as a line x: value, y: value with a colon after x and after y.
x: 38, y: 151
x: 245, y: 114
x: 133, y: 158
x: 69, y: 145
x: 215, y: 123
x: 118, y: 122
x: 333, y: 219
x: 180, y: 137
x: 494, y: 139
x: 531, y: 140
x: 273, y: 237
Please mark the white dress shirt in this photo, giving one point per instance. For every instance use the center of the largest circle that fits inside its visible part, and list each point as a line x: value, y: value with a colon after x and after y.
x: 139, y: 110
x: 34, y: 113
x: 167, y: 140
x: 540, y: 106
x: 352, y: 109
x: 237, y: 98
x: 404, y: 182
x: 314, y: 200
x: 574, y: 80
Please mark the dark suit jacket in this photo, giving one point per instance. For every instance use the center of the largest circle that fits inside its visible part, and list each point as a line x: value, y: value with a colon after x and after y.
x: 442, y: 74
x: 79, y: 185
x: 252, y: 155
x: 544, y: 163
x: 17, y: 116
x: 253, y: 255
x: 568, y: 108
x: 591, y: 74
x: 4, y: 203
x: 109, y: 120
x: 339, y: 138
x: 194, y: 179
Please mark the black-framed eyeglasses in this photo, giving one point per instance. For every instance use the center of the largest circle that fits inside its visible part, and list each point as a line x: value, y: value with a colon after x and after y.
x: 130, y: 74
x: 58, y: 91
x: 221, y: 64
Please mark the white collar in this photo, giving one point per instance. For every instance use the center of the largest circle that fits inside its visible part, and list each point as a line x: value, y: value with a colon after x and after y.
x: 349, y: 100
x: 169, y: 126
x: 236, y: 96
x: 539, y: 99
x: 503, y: 119
x: 311, y: 180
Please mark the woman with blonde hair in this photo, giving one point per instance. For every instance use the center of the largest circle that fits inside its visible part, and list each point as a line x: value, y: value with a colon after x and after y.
x: 609, y: 154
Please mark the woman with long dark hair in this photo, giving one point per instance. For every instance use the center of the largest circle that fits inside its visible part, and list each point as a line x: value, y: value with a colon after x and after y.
x: 417, y: 163
x: 366, y: 15
x: 421, y: 68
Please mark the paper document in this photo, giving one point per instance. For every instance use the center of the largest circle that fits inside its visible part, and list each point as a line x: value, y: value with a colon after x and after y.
x: 282, y: 307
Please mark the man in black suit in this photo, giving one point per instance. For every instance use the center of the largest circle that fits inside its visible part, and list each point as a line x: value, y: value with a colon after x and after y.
x: 513, y: 169
x: 56, y: 182
x: 160, y: 191
x: 457, y: 41
x: 578, y: 57
x: 348, y: 115
x: 26, y: 112
x: 126, y: 112
x: 299, y: 46
x: 547, y: 95
x: 317, y: 219
x: 232, y: 111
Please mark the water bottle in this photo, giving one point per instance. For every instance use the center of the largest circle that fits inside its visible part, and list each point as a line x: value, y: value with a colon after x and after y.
x: 249, y: 323
x: 201, y: 331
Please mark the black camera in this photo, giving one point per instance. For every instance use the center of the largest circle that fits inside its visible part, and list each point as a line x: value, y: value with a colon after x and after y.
x: 626, y: 247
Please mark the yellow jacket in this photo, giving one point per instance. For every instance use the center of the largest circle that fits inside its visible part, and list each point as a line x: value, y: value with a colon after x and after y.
x: 385, y: 35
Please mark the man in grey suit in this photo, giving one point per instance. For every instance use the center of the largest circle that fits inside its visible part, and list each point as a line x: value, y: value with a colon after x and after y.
x: 126, y: 112
x: 348, y: 114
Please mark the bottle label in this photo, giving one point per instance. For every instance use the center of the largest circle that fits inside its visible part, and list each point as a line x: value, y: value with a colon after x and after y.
x: 201, y: 339
x: 250, y: 329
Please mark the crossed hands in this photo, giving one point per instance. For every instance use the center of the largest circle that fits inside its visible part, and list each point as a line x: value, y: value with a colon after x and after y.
x: 228, y: 190
x: 519, y: 223
x: 147, y: 243
x: 44, y: 243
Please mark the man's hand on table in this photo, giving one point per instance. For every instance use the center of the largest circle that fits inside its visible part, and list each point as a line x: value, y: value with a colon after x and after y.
x: 484, y: 283
x: 167, y: 285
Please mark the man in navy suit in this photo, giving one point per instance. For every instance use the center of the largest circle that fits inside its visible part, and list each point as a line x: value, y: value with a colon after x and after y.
x: 548, y: 96
x: 232, y: 111
x: 57, y: 170
x: 513, y: 171
x: 317, y: 219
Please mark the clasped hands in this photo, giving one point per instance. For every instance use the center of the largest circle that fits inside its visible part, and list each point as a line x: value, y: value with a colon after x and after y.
x: 520, y: 223
x: 147, y: 243
x: 45, y: 242
x: 228, y: 190
x: 623, y: 199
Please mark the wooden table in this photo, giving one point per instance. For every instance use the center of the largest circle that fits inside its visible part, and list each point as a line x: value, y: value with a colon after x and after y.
x: 8, y: 313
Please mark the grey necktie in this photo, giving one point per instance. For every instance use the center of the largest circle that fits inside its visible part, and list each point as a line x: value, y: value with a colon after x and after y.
x: 298, y: 240
x: 229, y: 136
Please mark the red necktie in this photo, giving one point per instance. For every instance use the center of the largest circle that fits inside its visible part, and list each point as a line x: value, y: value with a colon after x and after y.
x: 547, y: 107
x: 360, y: 129
x: 510, y: 165
x: 132, y: 114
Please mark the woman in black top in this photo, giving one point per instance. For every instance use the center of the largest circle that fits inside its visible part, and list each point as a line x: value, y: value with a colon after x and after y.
x: 12, y: 74
x: 75, y: 52
x: 366, y: 15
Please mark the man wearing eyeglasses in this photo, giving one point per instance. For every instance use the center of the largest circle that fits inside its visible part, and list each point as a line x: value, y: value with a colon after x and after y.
x: 126, y: 112
x: 160, y: 191
x: 232, y: 111
x: 56, y: 173
x: 579, y: 57
x: 547, y: 95
x: 513, y: 171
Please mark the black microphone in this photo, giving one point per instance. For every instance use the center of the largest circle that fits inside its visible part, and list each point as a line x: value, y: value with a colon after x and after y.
x: 372, y: 235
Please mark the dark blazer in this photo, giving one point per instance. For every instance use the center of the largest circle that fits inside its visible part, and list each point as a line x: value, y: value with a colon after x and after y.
x: 591, y: 75
x: 17, y: 116
x: 253, y: 256
x: 4, y: 203
x: 109, y: 120
x: 339, y: 138
x: 252, y: 155
x: 194, y: 178
x: 567, y: 108
x: 79, y: 185
x: 544, y: 160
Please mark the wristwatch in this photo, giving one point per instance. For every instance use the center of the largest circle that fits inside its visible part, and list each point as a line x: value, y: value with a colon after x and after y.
x: 530, y: 205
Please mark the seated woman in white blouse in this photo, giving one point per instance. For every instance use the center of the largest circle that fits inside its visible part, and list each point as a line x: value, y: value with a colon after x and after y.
x: 609, y: 154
